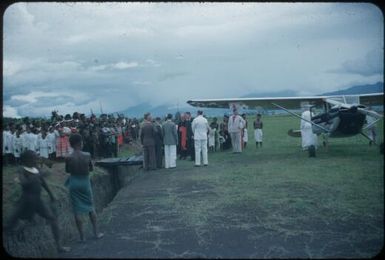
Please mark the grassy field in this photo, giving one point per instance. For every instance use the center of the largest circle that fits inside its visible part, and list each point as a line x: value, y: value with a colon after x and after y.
x: 338, y: 193
x: 346, y: 177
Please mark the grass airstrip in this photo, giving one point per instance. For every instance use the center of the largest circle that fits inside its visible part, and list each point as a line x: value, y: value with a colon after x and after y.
x: 335, y: 200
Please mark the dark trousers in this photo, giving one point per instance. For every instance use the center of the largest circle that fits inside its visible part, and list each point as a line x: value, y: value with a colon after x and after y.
x: 191, y: 149
x: 149, y: 158
x: 159, y: 156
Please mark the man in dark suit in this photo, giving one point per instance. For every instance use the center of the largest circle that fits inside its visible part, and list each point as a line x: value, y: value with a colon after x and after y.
x: 190, y: 137
x: 158, y: 143
x: 147, y: 139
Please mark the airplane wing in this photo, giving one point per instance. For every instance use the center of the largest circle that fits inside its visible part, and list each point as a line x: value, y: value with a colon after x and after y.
x: 265, y: 102
x: 374, y: 99
x: 288, y: 102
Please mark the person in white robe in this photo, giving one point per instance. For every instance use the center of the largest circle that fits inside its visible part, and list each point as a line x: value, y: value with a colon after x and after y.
x: 17, y: 145
x: 211, y: 139
x: 43, y: 145
x: 30, y: 141
x: 308, y: 137
x: 51, y: 137
x: 8, y: 145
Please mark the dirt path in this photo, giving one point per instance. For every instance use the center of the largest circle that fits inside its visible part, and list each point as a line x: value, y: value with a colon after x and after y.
x: 175, y: 213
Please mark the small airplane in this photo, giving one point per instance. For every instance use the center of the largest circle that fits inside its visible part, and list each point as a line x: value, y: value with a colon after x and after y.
x: 343, y: 115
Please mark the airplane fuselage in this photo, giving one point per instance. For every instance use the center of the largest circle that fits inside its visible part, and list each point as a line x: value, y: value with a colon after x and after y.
x: 340, y: 122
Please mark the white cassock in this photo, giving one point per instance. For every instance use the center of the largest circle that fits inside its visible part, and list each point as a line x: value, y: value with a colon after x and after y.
x: 43, y: 145
x: 211, y: 137
x: 308, y: 137
x: 51, y: 137
x: 7, y: 142
x: 31, y: 141
x: 17, y: 146
x: 4, y: 141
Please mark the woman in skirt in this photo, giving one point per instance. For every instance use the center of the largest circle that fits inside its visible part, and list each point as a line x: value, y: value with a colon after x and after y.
x: 79, y: 164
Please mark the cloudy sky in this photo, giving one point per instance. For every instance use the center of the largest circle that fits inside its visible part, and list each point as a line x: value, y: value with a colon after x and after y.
x: 80, y: 56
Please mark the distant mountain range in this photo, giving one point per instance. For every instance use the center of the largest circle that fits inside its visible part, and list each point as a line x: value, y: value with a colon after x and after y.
x: 162, y: 110
x: 361, y: 89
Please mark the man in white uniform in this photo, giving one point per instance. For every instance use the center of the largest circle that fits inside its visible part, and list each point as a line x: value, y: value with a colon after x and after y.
x: 200, y: 127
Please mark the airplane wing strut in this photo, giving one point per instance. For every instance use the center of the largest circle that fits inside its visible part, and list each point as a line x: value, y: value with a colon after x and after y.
x: 294, y: 114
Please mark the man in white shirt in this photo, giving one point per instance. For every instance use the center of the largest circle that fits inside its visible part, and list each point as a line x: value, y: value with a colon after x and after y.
x: 235, y: 128
x: 200, y: 127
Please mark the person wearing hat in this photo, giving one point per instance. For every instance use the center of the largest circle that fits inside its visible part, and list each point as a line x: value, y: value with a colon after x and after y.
x: 235, y: 126
x: 200, y: 128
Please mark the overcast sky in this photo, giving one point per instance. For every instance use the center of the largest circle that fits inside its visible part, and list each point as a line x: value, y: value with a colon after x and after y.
x: 76, y: 56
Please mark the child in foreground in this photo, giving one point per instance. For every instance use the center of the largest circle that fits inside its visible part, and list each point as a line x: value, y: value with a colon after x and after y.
x: 30, y: 202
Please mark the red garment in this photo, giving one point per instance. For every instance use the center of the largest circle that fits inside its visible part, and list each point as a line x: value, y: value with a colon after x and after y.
x: 183, y: 137
x: 62, y: 146
x: 120, y: 139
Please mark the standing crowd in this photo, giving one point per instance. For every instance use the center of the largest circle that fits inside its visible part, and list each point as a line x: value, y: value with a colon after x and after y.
x: 102, y: 136
x: 185, y: 137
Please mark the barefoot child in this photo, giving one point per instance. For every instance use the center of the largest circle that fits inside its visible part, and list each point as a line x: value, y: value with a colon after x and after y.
x: 30, y: 202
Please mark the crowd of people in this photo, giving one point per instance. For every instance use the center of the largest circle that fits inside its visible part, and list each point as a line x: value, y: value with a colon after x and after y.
x: 193, y: 138
x: 103, y: 136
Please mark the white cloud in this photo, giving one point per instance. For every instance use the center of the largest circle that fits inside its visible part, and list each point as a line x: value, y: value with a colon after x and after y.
x: 32, y: 97
x: 125, y: 65
x: 10, y: 68
x: 9, y: 111
x: 153, y: 63
x: 142, y: 83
